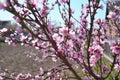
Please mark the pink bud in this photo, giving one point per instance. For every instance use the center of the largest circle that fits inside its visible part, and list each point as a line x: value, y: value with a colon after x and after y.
x: 64, y: 1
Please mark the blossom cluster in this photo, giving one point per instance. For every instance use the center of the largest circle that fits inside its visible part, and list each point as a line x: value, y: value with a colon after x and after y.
x: 80, y: 47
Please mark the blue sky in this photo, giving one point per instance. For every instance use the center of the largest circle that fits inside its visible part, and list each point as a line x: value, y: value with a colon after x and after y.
x: 55, y: 16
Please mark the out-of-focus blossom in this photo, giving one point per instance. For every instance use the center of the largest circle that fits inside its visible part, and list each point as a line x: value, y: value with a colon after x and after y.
x: 8, y: 40
x: 98, y: 21
x: 3, y: 30
x: 111, y: 15
x: 19, y: 30
x: 64, y: 1
x: 34, y: 3
x: 87, y: 6
x: 16, y: 19
x: 3, y: 5
x: 117, y: 67
x: 1, y: 78
x: 86, y: 78
x: 101, y: 7
x: 106, y: 70
x: 23, y: 38
x: 93, y: 60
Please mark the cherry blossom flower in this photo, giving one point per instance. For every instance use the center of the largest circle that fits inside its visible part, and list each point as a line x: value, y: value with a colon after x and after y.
x: 111, y: 15
x: 64, y: 1
x: 16, y: 19
x: 34, y: 3
x: 98, y: 21
x: 1, y: 78
x: 101, y: 7
x: 63, y: 31
x: 93, y: 60
x: 3, y: 5
x: 34, y: 42
x: 118, y: 40
x: 57, y: 38
x: 87, y: 6
x: 117, y: 8
x: 116, y: 49
x: 8, y: 40
x: 70, y: 45
x: 19, y: 30
x: 114, y: 46
x: 117, y: 67
x: 23, y: 37
x: 105, y: 69
x: 3, y: 30
x: 96, y: 49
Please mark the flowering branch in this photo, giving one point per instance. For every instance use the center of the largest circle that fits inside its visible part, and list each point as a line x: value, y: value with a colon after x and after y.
x: 78, y: 48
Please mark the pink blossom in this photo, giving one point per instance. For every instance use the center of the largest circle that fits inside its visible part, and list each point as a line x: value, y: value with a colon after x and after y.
x: 72, y: 34
x: 64, y: 31
x: 113, y: 43
x: 34, y: 3
x: 28, y: 76
x: 111, y: 15
x: 72, y: 23
x: 105, y: 69
x: 101, y: 7
x: 34, y: 42
x: 23, y: 38
x: 117, y: 67
x: 19, y: 30
x: 117, y: 8
x: 116, y: 49
x: 96, y: 49
x: 118, y: 40
x: 91, y: 50
x: 8, y: 40
x: 99, y: 40
x: 54, y: 58
x: 37, y: 77
x: 44, y: 11
x: 18, y: 9
x: 82, y: 32
x: 14, y: 44
x: 16, y: 19
x: 84, y: 22
x: 69, y: 45
x: 98, y: 21
x: 87, y: 6
x: 114, y: 46
x: 41, y: 70
x: 57, y: 38
x: 78, y: 55
x: 3, y: 30
x: 64, y: 1
x: 19, y: 76
x: 1, y: 78
x: 93, y: 60
x: 95, y: 32
x: 3, y: 5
